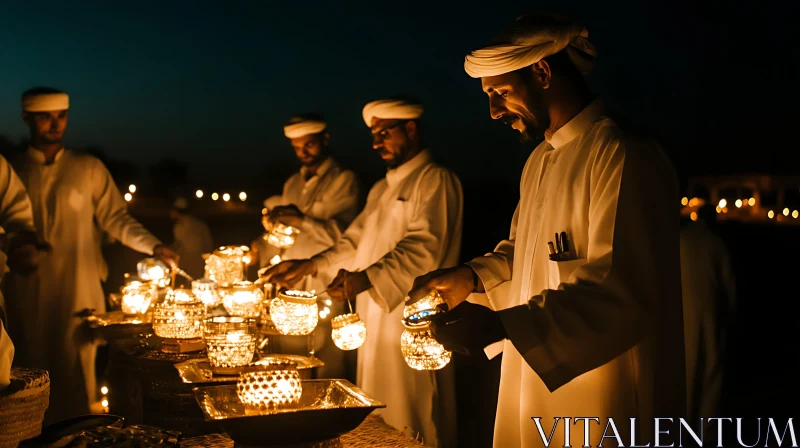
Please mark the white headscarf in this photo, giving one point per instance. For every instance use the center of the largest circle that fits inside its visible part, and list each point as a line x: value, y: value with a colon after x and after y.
x: 388, y: 109
x: 45, y: 102
x: 302, y: 126
x: 527, y: 41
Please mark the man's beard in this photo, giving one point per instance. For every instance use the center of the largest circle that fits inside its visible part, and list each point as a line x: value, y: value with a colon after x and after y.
x: 50, y: 140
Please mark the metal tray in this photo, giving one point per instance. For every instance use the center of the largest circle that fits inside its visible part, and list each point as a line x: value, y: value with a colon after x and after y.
x: 327, y: 409
x: 198, y: 371
x: 116, y: 325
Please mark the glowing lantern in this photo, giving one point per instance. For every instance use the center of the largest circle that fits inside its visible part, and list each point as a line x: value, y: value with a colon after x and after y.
x: 206, y: 291
x: 268, y: 386
x: 420, y: 349
x: 294, y: 312
x: 230, y: 341
x: 225, y: 265
x: 282, y: 236
x: 179, y: 316
x: 136, y: 298
x: 242, y: 299
x: 348, y: 331
x: 154, y: 270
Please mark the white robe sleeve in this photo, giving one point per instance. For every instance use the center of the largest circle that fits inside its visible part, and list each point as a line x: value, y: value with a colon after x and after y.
x: 345, y: 248
x: 496, y: 267
x: 112, y: 214
x: 422, y: 249
x: 16, y: 212
x: 6, y: 357
x: 326, y: 219
x: 632, y: 268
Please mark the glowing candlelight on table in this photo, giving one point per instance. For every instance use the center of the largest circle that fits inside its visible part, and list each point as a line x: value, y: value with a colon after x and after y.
x: 243, y: 299
x: 270, y: 386
x: 282, y: 236
x: 420, y: 349
x: 230, y: 341
x: 206, y: 291
x: 154, y: 270
x: 226, y: 265
x: 136, y: 298
x: 294, y: 312
x: 348, y: 331
x: 179, y: 316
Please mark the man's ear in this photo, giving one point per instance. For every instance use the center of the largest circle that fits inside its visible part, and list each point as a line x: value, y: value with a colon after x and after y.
x: 27, y: 118
x: 325, y: 138
x: 542, y: 74
x: 411, y: 128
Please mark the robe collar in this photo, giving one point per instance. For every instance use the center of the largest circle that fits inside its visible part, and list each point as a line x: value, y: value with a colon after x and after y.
x: 323, y: 168
x: 578, y: 125
x: 38, y: 156
x: 396, y: 175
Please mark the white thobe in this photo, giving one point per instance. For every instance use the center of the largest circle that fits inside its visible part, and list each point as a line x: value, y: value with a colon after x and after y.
x: 6, y: 344
x: 68, y: 195
x: 601, y: 335
x: 411, y: 225
x: 192, y: 240
x: 709, y: 301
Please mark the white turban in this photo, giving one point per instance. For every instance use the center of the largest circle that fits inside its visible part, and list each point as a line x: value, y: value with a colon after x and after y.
x: 530, y: 39
x: 45, y: 102
x: 300, y: 127
x: 389, y: 109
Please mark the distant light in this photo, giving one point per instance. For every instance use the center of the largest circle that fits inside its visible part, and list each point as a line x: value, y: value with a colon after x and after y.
x: 128, y: 197
x: 214, y: 196
x: 684, y: 201
x: 795, y: 214
x: 243, y: 196
x: 328, y: 302
x: 770, y: 214
x: 104, y: 390
x: 722, y: 203
x: 751, y: 201
x: 132, y: 188
x: 786, y: 212
x: 226, y: 197
x: 199, y: 194
x: 738, y: 203
x: 104, y: 403
x: 693, y: 216
x: 275, y: 260
x: 719, y: 209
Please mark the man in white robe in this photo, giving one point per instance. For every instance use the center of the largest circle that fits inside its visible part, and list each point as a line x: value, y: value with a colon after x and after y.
x: 596, y: 330
x: 709, y: 303
x: 410, y: 225
x: 320, y: 200
x: 70, y: 192
x: 192, y: 238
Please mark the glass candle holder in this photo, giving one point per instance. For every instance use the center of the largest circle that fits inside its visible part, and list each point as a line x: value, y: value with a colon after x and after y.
x: 225, y: 265
x: 205, y: 290
x: 179, y: 316
x: 348, y: 331
x: 270, y: 386
x: 282, y: 236
x: 155, y: 271
x: 230, y: 341
x: 242, y: 299
x: 136, y: 298
x: 294, y: 312
x: 424, y: 306
x: 420, y: 349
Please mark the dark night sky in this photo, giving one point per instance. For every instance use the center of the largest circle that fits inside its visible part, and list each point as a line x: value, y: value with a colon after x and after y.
x: 213, y: 84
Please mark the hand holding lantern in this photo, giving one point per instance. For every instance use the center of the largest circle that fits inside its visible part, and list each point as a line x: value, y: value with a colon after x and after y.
x: 454, y: 285
x: 420, y: 349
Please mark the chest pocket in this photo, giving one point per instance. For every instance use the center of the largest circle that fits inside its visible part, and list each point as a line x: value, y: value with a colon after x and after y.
x: 77, y: 201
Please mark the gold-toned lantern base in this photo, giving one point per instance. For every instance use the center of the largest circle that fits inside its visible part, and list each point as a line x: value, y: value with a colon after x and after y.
x: 183, y: 345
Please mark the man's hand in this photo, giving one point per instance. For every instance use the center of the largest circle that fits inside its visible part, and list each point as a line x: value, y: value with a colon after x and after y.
x: 453, y: 284
x: 288, y: 215
x: 288, y: 273
x: 347, y: 285
x: 166, y: 254
x: 468, y: 329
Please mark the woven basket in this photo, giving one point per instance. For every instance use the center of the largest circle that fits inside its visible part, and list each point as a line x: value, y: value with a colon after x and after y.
x: 22, y: 405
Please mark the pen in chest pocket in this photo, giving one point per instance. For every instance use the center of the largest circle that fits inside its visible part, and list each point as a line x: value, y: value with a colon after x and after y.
x: 565, y: 245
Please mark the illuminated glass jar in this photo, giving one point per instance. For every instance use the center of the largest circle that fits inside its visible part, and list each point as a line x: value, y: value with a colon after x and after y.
x: 205, y: 290
x: 179, y: 316
x: 136, y: 297
x: 155, y: 271
x: 269, y: 386
x: 242, y: 299
x: 230, y: 341
x: 348, y: 331
x: 226, y: 265
x: 282, y: 236
x: 420, y: 349
x: 294, y: 312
